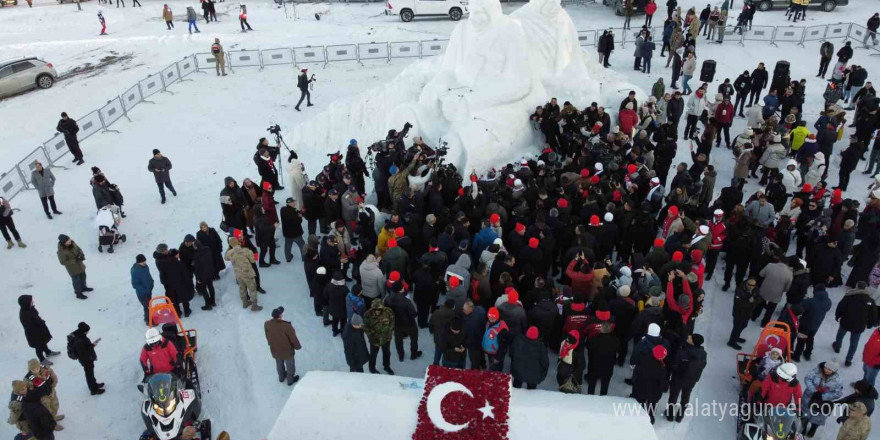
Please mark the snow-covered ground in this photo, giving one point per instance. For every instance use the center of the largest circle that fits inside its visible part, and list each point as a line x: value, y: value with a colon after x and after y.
x: 208, y: 128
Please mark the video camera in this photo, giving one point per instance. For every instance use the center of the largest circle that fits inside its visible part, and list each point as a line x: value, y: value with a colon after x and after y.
x: 274, y: 129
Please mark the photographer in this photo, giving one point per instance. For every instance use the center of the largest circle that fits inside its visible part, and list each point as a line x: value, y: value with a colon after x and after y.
x: 355, y: 165
x: 266, y: 167
x: 274, y: 150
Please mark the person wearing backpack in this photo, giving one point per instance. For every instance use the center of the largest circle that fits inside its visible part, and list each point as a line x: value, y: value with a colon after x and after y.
x: 219, y: 57
x: 81, y: 348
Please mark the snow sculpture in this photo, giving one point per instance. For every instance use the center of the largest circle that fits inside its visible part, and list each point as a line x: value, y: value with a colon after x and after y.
x: 555, y: 53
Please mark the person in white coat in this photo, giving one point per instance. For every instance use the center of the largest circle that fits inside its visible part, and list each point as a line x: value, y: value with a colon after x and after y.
x: 297, y: 179
x: 695, y: 107
x: 817, y: 168
x: 791, y: 177
x: 756, y: 115
x: 772, y: 157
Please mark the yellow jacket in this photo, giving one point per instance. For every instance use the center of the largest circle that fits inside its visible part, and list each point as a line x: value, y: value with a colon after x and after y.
x: 798, y: 136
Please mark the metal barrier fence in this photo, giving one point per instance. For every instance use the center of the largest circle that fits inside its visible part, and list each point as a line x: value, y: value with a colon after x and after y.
x: 50, y: 152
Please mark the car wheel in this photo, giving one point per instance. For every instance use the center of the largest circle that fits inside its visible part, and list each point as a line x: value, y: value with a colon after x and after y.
x: 765, y: 6
x: 45, y: 81
x: 829, y: 5
x: 406, y: 15
x: 455, y: 14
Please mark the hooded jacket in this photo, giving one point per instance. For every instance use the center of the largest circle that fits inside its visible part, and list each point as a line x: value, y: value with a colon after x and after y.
x: 372, y: 279
x: 461, y: 269
x: 856, y: 311
x: 35, y: 330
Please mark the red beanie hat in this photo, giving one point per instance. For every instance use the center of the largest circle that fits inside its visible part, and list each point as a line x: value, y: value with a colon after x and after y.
x: 659, y: 242
x: 267, y: 186
x: 616, y: 196
x: 677, y: 256
x: 520, y: 227
x: 696, y: 255
x: 807, y: 188
x: 454, y: 282
x: 673, y: 210
x: 603, y: 315
x: 594, y: 180
x: 493, y: 313
x: 460, y: 192
x: 562, y: 203
x: 237, y: 233
x: 533, y: 243
x: 394, y: 276
x: 532, y: 333
x: 494, y: 218
x: 594, y: 220
x: 836, y: 196
x: 392, y: 243
x: 659, y: 352
x: 399, y: 232
x: 631, y: 168
x: 585, y: 173
x: 512, y: 295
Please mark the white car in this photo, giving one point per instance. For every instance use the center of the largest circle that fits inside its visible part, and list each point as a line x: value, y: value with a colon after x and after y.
x: 407, y: 9
x: 17, y: 76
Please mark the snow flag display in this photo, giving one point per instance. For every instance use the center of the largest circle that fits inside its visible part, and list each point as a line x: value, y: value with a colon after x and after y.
x: 463, y: 404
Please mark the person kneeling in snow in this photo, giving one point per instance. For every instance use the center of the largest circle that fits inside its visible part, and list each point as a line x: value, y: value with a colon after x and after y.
x: 158, y: 355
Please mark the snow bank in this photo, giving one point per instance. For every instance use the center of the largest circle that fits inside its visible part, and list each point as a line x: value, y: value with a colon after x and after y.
x: 333, y: 405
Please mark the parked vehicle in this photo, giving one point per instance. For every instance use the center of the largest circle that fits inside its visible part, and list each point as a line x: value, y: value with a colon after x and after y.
x: 20, y: 75
x: 825, y: 5
x: 408, y: 9
x: 638, y: 6
x: 4, y: 3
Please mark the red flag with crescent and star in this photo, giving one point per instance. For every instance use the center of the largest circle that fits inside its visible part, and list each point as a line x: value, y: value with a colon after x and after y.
x: 463, y: 404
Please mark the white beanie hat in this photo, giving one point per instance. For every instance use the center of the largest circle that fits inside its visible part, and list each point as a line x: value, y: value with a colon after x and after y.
x: 653, y: 330
x: 629, y: 106
x: 777, y: 138
x: 321, y: 271
x: 609, y: 217
x: 655, y: 180
x: 718, y: 212
x: 600, y: 167
x: 704, y: 229
x: 517, y: 182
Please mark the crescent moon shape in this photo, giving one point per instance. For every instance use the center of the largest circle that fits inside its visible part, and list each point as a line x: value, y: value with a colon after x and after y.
x: 435, y: 400
x: 769, y: 337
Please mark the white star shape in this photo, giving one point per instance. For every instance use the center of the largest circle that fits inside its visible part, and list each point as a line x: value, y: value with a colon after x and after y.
x: 487, y: 410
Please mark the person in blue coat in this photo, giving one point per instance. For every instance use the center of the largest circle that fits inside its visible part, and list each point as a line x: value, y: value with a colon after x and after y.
x: 354, y: 302
x: 142, y: 282
x: 771, y: 104
x: 815, y: 309
x: 483, y: 239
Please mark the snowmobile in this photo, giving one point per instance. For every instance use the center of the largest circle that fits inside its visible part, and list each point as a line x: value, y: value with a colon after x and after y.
x: 169, y: 406
x: 775, y: 334
x: 163, y: 313
x: 777, y: 425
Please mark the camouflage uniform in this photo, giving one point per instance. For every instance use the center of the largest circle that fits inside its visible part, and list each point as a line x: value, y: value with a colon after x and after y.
x: 242, y: 260
x: 379, y: 325
x: 19, y: 389
x: 37, y: 374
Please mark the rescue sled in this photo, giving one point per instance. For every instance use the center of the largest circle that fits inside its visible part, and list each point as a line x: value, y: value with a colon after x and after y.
x: 163, y: 314
x: 776, y: 334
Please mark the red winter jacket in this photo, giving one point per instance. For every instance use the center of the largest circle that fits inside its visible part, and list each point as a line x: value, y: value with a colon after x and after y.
x: 724, y: 113
x: 673, y: 304
x: 627, y: 119
x: 581, y: 283
x: 719, y: 233
x: 159, y: 358
x: 775, y: 391
x: 871, y: 352
x: 650, y: 8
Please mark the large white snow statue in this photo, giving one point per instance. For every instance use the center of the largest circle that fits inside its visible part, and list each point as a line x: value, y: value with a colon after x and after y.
x: 479, y: 94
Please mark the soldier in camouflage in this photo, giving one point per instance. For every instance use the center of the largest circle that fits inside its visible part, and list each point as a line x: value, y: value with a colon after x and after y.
x: 242, y: 262
x: 379, y: 325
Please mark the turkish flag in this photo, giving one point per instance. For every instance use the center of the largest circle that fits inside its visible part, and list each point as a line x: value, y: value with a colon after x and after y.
x: 463, y: 404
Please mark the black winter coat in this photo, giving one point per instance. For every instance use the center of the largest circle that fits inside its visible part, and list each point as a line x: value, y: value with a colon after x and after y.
x: 85, y: 351
x: 602, y: 355
x: 179, y: 281
x: 448, y: 342
x: 856, y: 311
x: 212, y: 240
x: 799, y: 285
x: 265, y: 231
x: 404, y: 310
x: 203, y: 263
x: 291, y: 222
x: 334, y: 298
x: 649, y: 380
x: 529, y: 360
x: 687, y: 365
x: 313, y: 203
x: 35, y: 330
x: 744, y: 302
x: 39, y: 419
x: 355, y: 346
x: 759, y: 79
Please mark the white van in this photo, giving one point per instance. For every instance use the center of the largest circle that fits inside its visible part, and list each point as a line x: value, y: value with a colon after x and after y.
x: 407, y: 9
